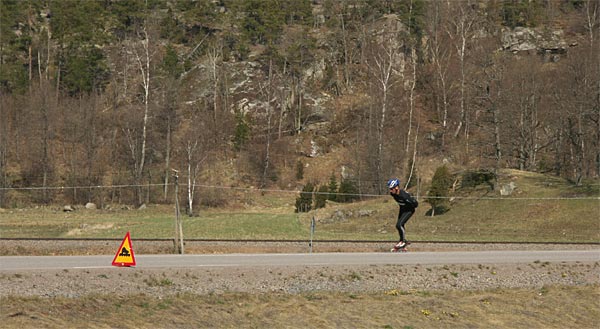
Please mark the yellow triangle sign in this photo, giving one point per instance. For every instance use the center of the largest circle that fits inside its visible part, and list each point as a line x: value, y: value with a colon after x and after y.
x: 125, y: 256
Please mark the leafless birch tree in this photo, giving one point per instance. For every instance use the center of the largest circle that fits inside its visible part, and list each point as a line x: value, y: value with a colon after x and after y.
x: 137, y: 136
x: 385, y: 65
x: 462, y: 26
x: 441, y: 58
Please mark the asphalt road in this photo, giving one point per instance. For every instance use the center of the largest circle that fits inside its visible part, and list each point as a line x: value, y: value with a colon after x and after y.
x: 12, y: 263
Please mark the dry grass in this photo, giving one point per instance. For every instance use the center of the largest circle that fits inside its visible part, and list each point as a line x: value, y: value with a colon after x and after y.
x: 548, y: 307
x: 542, y: 209
x: 554, y: 306
x: 532, y: 213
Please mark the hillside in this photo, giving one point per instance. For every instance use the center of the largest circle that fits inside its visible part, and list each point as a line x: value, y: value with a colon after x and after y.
x: 108, y: 101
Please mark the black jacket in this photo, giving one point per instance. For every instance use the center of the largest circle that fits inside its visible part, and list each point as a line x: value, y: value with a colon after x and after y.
x: 405, y: 201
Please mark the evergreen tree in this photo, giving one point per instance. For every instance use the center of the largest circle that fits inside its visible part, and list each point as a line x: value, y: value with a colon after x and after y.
x: 17, y: 29
x: 321, y: 197
x: 171, y: 65
x: 411, y: 179
x: 438, y: 193
x: 348, y: 191
x: 80, y: 62
x: 263, y: 22
x: 521, y: 13
x: 298, y: 12
x: 242, y: 131
x: 299, y: 170
x: 304, y: 201
x: 333, y: 187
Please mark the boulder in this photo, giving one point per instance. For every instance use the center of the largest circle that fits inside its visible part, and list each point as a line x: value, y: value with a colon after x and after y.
x: 530, y: 39
x: 507, y: 189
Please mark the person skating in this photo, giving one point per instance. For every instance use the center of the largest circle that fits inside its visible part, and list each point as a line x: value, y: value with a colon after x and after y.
x: 407, y: 205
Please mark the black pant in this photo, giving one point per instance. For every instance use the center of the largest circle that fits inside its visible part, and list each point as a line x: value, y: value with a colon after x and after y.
x: 403, y: 217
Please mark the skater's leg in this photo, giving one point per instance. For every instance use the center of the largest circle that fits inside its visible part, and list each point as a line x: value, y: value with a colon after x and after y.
x: 403, y: 217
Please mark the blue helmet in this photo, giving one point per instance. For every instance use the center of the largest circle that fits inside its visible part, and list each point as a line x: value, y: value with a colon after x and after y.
x: 393, y: 183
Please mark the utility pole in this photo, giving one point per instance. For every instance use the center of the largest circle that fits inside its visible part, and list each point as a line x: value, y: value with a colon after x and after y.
x: 178, y: 225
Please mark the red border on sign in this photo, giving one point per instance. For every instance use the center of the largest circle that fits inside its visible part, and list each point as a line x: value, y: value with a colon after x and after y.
x: 126, y: 239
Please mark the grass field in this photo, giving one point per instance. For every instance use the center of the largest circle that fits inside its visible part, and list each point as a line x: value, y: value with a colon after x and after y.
x: 548, y: 307
x: 542, y: 209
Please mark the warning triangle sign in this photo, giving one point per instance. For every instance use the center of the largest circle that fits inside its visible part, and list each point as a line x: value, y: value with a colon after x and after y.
x: 125, y: 256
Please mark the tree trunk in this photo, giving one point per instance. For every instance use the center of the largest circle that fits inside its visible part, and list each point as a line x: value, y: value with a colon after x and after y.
x: 345, y: 45
x: 411, y: 97
x: 190, y: 186
x: 167, y: 160
x: 268, y: 143
x: 144, y: 67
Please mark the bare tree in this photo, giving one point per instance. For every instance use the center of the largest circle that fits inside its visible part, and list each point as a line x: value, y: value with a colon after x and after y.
x: 193, y: 163
x: 386, y: 66
x: 6, y: 129
x: 491, y: 92
x: 137, y: 136
x: 592, y: 13
x: 268, y: 91
x: 193, y: 144
x: 37, y: 128
x: 592, y: 19
x: 215, y: 58
x: 460, y: 31
x: 579, y: 100
x: 441, y: 58
x: 412, y: 82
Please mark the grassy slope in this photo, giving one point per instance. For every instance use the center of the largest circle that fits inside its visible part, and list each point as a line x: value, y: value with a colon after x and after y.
x: 541, y: 209
x: 532, y: 213
x: 548, y: 307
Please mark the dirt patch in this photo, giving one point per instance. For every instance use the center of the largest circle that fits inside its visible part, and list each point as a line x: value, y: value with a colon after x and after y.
x: 85, y: 228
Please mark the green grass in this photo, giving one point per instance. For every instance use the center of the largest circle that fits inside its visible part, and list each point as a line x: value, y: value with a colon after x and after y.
x: 532, y: 213
x: 153, y: 222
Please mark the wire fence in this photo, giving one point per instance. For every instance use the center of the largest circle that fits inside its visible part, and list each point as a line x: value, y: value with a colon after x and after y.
x: 487, y: 217
x: 267, y: 190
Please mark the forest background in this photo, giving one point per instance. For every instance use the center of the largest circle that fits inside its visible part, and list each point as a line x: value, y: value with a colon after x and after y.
x: 130, y: 95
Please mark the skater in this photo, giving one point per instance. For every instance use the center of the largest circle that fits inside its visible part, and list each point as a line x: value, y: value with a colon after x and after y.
x: 407, y: 204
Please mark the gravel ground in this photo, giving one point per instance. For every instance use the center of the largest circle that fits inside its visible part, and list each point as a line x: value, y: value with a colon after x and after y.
x: 284, y: 279
x: 16, y: 247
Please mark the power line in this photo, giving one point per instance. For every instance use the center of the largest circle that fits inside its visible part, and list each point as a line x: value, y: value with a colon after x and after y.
x: 363, y: 195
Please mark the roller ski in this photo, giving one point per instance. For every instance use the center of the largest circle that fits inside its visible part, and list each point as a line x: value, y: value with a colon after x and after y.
x: 400, y: 247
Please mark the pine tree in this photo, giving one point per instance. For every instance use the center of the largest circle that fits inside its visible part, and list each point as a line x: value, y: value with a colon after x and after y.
x: 242, y: 132
x: 438, y: 193
x: 304, y: 201
x: 348, y: 191
x: 321, y: 197
x: 333, y: 187
x: 299, y: 170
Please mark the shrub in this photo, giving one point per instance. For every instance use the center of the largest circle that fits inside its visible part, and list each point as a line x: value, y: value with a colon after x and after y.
x: 332, y: 188
x: 438, y: 193
x: 242, y: 131
x: 411, y: 179
x: 321, y: 197
x: 475, y: 178
x: 304, y: 201
x: 299, y: 170
x: 348, y: 191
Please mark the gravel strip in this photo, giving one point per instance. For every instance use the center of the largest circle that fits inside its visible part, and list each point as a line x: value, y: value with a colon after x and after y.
x: 283, y: 279
x: 10, y: 247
